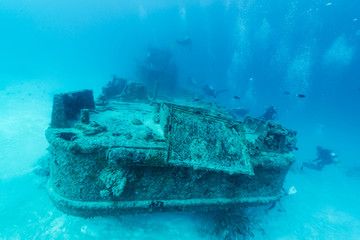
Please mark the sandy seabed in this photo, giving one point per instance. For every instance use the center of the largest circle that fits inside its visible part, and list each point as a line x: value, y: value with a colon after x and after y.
x: 326, y: 205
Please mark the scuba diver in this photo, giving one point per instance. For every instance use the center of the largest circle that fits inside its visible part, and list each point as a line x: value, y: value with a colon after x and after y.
x: 206, y: 89
x: 210, y: 91
x: 186, y: 42
x: 269, y: 114
x: 324, y: 157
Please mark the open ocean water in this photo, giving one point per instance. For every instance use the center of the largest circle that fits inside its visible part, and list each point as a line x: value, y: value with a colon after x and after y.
x: 266, y: 52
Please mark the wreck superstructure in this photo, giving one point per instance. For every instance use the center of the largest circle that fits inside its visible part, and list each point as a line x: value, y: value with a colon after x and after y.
x: 127, y: 154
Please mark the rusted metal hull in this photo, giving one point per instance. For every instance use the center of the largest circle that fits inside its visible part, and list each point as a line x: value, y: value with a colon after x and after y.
x: 137, y: 158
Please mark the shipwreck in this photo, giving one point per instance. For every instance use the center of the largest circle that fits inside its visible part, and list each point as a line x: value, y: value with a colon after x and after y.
x: 129, y: 153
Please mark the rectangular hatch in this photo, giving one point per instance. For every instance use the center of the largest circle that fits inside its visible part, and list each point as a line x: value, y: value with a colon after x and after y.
x: 204, y: 139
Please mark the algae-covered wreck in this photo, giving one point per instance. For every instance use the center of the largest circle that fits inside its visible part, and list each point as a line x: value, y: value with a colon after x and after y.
x: 129, y: 154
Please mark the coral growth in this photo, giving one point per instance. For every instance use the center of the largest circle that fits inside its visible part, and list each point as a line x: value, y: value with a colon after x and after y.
x: 114, y: 181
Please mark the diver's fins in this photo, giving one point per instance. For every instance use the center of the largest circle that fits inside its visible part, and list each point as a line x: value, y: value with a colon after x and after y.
x: 312, y: 166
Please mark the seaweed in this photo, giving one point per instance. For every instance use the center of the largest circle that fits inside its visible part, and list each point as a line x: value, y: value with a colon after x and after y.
x: 233, y: 224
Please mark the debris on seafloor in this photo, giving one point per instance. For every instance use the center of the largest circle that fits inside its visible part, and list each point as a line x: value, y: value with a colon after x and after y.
x: 129, y: 154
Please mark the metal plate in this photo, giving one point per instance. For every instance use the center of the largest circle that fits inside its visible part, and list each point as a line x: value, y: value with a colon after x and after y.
x: 202, y: 140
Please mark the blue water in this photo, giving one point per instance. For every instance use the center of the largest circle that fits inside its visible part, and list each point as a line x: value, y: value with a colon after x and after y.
x: 257, y: 49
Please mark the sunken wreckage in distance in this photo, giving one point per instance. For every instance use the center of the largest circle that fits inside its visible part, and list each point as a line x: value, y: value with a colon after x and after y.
x: 127, y: 153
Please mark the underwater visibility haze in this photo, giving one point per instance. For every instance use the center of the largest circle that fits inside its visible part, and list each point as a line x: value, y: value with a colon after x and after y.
x: 299, y: 59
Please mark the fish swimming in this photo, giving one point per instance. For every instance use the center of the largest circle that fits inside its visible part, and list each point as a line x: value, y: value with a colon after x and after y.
x: 301, y: 95
x: 287, y: 93
x: 236, y: 97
